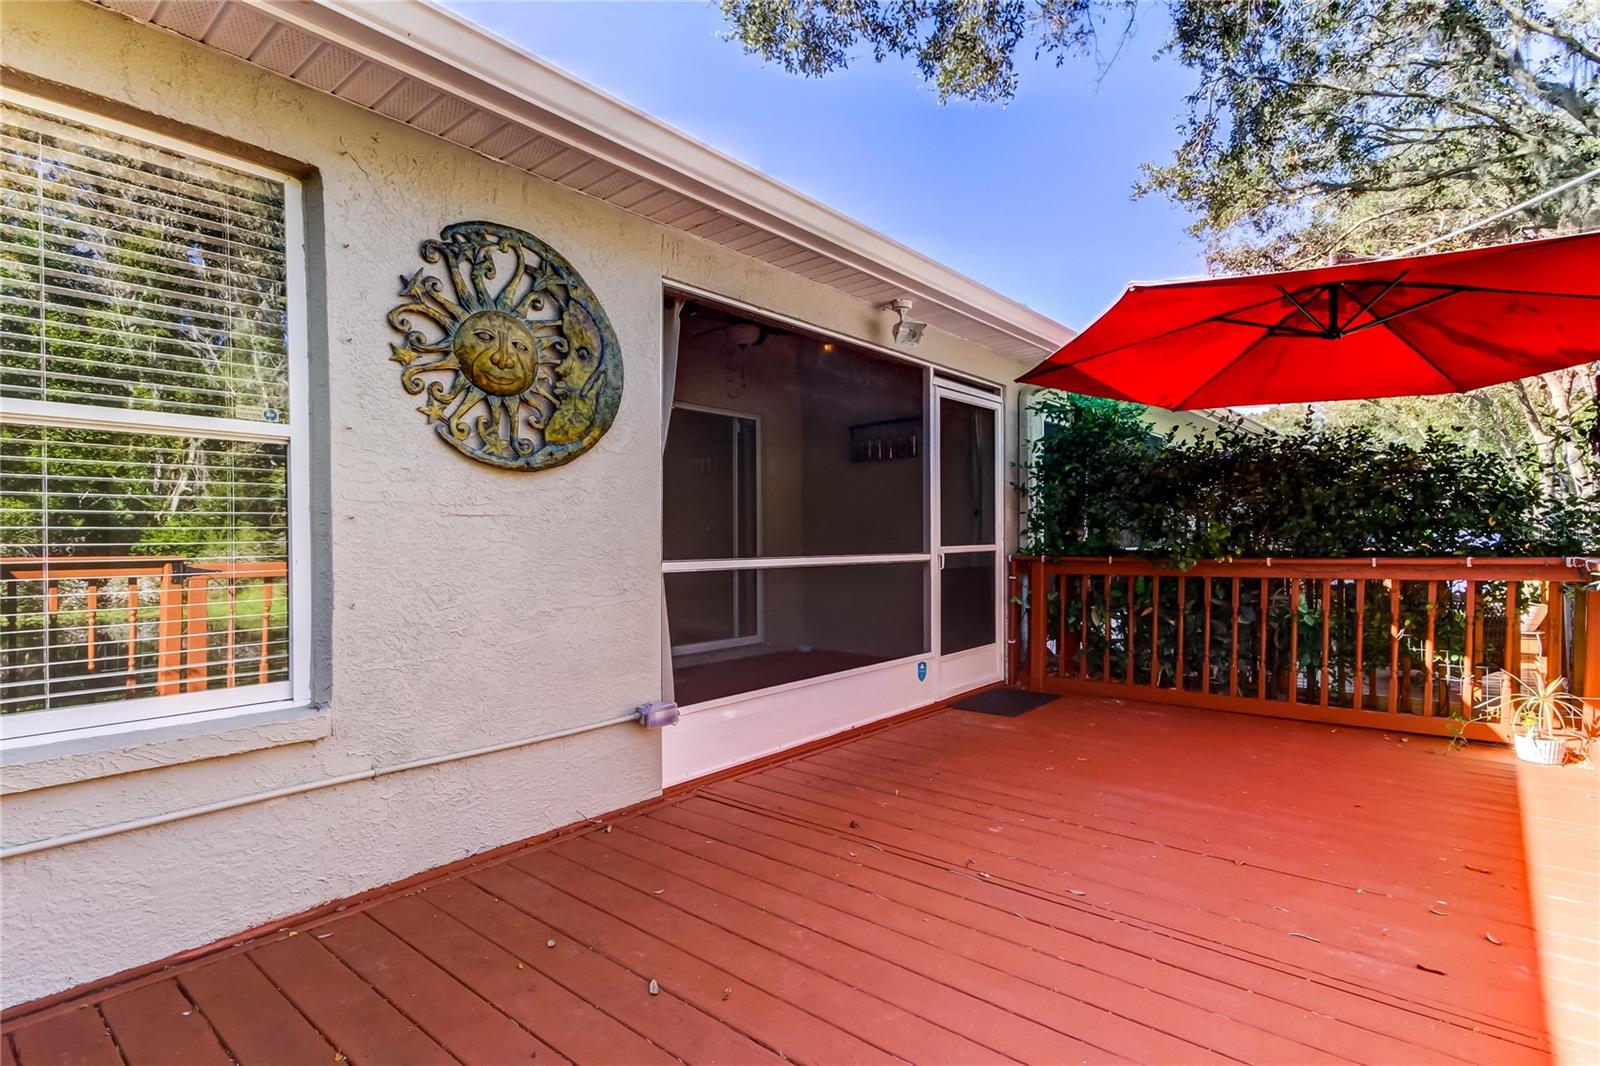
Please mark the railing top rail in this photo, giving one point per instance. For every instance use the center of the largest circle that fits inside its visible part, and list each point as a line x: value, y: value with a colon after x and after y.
x: 1420, y: 568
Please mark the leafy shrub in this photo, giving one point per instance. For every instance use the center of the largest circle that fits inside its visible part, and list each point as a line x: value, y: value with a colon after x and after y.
x: 1100, y: 482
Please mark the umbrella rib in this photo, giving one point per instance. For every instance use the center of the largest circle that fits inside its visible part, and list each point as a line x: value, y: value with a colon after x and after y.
x: 1221, y: 370
x: 1370, y: 303
x: 1392, y: 315
x: 1437, y: 369
x: 1505, y: 292
x: 1220, y: 317
x: 1298, y: 306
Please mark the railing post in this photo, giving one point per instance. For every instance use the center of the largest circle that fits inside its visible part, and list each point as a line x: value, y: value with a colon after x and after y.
x: 169, y: 633
x: 1586, y: 664
x: 1037, y: 611
x: 1014, y: 614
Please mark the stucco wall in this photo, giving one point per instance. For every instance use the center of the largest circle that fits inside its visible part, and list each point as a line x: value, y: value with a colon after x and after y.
x: 464, y: 605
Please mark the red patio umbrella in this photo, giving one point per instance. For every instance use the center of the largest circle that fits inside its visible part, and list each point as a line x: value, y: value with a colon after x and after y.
x: 1406, y: 326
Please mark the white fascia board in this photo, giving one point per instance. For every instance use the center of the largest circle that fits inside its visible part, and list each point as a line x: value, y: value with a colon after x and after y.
x: 461, y: 59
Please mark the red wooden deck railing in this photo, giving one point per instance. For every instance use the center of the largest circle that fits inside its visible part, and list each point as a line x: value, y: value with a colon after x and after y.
x: 181, y: 603
x: 1413, y: 645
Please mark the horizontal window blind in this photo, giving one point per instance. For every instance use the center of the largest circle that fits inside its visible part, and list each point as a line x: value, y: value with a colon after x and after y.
x: 146, y: 430
x: 140, y: 565
x: 135, y: 276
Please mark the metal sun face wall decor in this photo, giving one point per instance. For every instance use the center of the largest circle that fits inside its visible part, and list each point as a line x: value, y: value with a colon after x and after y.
x: 523, y: 374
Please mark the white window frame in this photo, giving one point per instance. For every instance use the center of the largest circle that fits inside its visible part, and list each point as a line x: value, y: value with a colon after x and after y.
x: 220, y: 705
x: 759, y: 637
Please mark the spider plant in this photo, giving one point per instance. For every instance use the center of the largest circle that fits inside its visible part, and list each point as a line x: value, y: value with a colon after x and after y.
x: 1542, y: 708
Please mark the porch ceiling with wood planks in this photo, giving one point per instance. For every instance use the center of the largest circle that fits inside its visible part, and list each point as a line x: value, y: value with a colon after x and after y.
x: 1097, y: 880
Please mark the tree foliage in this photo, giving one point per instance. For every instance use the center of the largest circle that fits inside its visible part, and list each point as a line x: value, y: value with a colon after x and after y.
x: 1542, y: 426
x: 1318, y: 125
x: 1099, y: 482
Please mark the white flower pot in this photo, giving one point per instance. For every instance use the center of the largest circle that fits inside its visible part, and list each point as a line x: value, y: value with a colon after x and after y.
x: 1546, y: 751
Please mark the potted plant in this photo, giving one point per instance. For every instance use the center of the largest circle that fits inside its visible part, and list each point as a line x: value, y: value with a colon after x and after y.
x: 1542, y: 716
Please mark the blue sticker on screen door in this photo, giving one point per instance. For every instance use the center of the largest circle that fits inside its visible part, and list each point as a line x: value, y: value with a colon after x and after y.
x: 922, y: 670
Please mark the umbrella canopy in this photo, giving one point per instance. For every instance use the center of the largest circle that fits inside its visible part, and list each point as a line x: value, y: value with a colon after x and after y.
x: 1406, y: 326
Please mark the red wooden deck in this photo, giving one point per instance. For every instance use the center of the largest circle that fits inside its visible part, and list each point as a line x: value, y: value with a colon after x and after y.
x: 1093, y: 881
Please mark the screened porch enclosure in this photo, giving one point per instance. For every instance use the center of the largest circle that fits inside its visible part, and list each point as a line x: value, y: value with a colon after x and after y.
x: 801, y: 477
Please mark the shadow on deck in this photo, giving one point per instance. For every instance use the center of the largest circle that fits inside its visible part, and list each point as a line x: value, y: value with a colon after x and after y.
x: 1093, y: 881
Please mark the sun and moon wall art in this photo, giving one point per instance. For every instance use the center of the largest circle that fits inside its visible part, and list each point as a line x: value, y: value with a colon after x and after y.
x: 514, y: 359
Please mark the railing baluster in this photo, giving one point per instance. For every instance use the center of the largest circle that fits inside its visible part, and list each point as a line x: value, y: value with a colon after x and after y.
x: 1294, y: 640
x: 1394, y: 645
x: 1469, y: 678
x: 1132, y: 629
x: 1083, y: 626
x: 195, y: 618
x: 169, y: 633
x: 233, y: 594
x: 1553, y: 638
x: 1513, y: 631
x: 1327, y: 610
x: 133, y: 631
x: 1233, y: 645
x: 1178, y: 665
x: 1105, y: 605
x: 266, y: 618
x: 93, y: 610
x: 1266, y: 638
x: 1205, y: 659
x: 1155, y: 630
x: 1358, y: 699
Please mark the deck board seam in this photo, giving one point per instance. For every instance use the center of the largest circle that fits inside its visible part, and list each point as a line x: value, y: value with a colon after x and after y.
x: 970, y: 958
x: 1185, y: 936
x: 111, y: 1034
x: 991, y: 848
x: 532, y: 969
x: 712, y: 962
x: 1013, y: 791
x: 1051, y: 955
x: 1010, y: 818
x: 459, y: 983
x: 194, y: 1005
x: 555, y: 924
x: 792, y: 959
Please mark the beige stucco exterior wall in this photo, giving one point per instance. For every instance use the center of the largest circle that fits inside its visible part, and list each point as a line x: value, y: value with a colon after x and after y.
x: 465, y: 606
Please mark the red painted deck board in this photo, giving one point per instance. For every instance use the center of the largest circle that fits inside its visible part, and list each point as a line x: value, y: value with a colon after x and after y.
x: 78, y: 1037
x: 1093, y: 881
x: 252, y: 1018
x: 156, y: 1025
x: 356, y: 1019
x: 572, y: 1028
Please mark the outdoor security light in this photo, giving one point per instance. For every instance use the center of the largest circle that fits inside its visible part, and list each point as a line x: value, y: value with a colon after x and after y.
x: 907, y: 331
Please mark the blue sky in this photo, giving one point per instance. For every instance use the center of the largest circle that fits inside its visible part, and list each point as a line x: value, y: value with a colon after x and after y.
x: 1031, y: 198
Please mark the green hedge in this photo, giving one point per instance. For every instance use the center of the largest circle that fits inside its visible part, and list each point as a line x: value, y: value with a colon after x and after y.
x: 1100, y: 482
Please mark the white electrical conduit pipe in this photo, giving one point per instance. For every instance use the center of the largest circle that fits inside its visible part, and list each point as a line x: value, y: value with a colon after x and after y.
x: 373, y: 774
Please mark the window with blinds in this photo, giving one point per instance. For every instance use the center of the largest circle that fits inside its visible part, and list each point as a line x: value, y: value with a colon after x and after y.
x: 149, y: 456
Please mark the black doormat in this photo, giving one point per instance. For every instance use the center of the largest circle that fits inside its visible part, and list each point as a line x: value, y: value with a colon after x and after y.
x: 1006, y: 702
